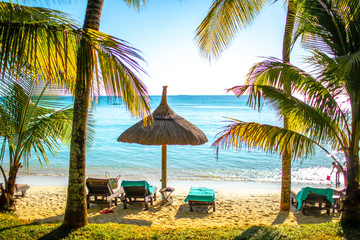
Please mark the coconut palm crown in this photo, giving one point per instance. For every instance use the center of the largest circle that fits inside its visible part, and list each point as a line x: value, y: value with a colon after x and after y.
x: 27, y: 126
x: 328, y: 113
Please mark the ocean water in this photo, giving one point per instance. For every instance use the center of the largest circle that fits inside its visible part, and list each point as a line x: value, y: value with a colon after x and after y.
x: 188, y: 163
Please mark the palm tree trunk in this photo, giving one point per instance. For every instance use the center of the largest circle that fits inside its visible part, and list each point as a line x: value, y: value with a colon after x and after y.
x: 8, y: 200
x: 351, y: 205
x: 286, y: 157
x: 76, y: 212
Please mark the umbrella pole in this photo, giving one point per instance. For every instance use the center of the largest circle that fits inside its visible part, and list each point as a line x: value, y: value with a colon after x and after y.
x: 163, y: 166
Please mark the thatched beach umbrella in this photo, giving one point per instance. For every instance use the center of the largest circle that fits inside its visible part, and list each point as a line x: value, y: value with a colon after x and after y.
x: 167, y: 128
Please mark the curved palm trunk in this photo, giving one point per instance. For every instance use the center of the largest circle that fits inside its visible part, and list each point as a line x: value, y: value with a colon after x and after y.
x: 351, y: 205
x: 76, y: 212
x: 7, y: 200
x: 286, y: 158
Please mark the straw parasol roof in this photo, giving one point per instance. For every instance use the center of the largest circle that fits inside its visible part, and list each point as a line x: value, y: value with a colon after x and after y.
x: 167, y: 128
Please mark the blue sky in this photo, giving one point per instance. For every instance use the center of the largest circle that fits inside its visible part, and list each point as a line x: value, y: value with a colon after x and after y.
x: 164, y: 32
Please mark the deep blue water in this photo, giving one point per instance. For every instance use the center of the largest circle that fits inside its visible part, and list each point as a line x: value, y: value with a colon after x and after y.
x: 184, y: 162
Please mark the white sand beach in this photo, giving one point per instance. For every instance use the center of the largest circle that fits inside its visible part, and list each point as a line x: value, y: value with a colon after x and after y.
x: 233, y: 208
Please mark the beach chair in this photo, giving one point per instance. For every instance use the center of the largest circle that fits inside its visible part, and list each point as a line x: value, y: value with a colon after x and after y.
x: 100, y: 191
x: 293, y: 200
x: 311, y: 201
x: 166, y: 195
x: 20, y: 189
x: 201, y: 196
x: 135, y: 190
x: 338, y: 199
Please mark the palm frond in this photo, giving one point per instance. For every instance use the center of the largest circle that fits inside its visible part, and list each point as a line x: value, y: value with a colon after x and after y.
x: 38, y: 42
x: 135, y: 3
x: 269, y: 138
x: 223, y: 21
x: 119, y: 66
x: 305, y: 119
x: 320, y: 95
x: 27, y: 125
x: 334, y: 30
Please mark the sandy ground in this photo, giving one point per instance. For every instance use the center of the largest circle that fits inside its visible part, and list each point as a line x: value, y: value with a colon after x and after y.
x: 47, y: 204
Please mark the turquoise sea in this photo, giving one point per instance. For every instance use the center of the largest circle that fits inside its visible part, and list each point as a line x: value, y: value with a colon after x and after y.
x: 191, y: 163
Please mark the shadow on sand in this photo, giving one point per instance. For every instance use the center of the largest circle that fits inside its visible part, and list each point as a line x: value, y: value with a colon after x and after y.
x: 281, y: 217
x: 199, y: 212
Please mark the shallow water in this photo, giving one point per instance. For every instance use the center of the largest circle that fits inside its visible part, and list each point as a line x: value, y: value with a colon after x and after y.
x: 186, y: 163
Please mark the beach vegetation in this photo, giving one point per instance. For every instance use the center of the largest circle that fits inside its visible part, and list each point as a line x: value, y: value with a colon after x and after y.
x: 13, y: 228
x: 35, y: 44
x: 215, y: 33
x: 27, y: 126
x: 325, y: 113
x: 85, y: 61
x: 116, y: 64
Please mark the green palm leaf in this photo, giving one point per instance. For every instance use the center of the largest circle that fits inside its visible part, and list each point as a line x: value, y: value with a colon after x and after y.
x: 26, y: 126
x: 135, y: 3
x: 305, y: 119
x: 38, y: 42
x: 335, y: 27
x: 318, y: 94
x: 222, y: 23
x: 118, y: 65
x: 269, y: 138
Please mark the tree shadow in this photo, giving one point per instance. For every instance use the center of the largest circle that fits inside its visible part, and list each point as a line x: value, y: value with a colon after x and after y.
x: 281, y: 217
x: 58, y: 233
x: 16, y: 226
x: 53, y: 219
x: 258, y: 232
x: 119, y: 214
x: 350, y: 232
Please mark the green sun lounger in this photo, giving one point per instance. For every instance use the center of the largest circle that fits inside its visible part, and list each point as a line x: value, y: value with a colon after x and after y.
x: 201, y: 196
x: 314, y: 200
x: 135, y: 190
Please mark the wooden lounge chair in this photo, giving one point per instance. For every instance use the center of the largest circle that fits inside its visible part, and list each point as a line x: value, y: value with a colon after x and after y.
x: 201, y: 196
x: 293, y: 199
x: 135, y: 190
x: 100, y: 191
x: 312, y: 201
x: 20, y: 189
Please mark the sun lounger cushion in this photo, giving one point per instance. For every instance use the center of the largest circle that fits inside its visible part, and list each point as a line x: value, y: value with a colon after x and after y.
x: 126, y: 183
x: 201, y: 194
x: 304, y: 192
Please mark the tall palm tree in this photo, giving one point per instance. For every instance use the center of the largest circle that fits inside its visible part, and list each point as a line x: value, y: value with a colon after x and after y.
x: 330, y: 28
x: 52, y: 54
x: 215, y: 33
x: 26, y: 125
x: 114, y: 63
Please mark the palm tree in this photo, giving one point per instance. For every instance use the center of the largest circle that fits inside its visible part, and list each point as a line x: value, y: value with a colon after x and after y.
x: 32, y: 41
x: 215, y: 33
x: 330, y: 28
x: 25, y: 126
x: 75, y: 58
x: 115, y: 61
